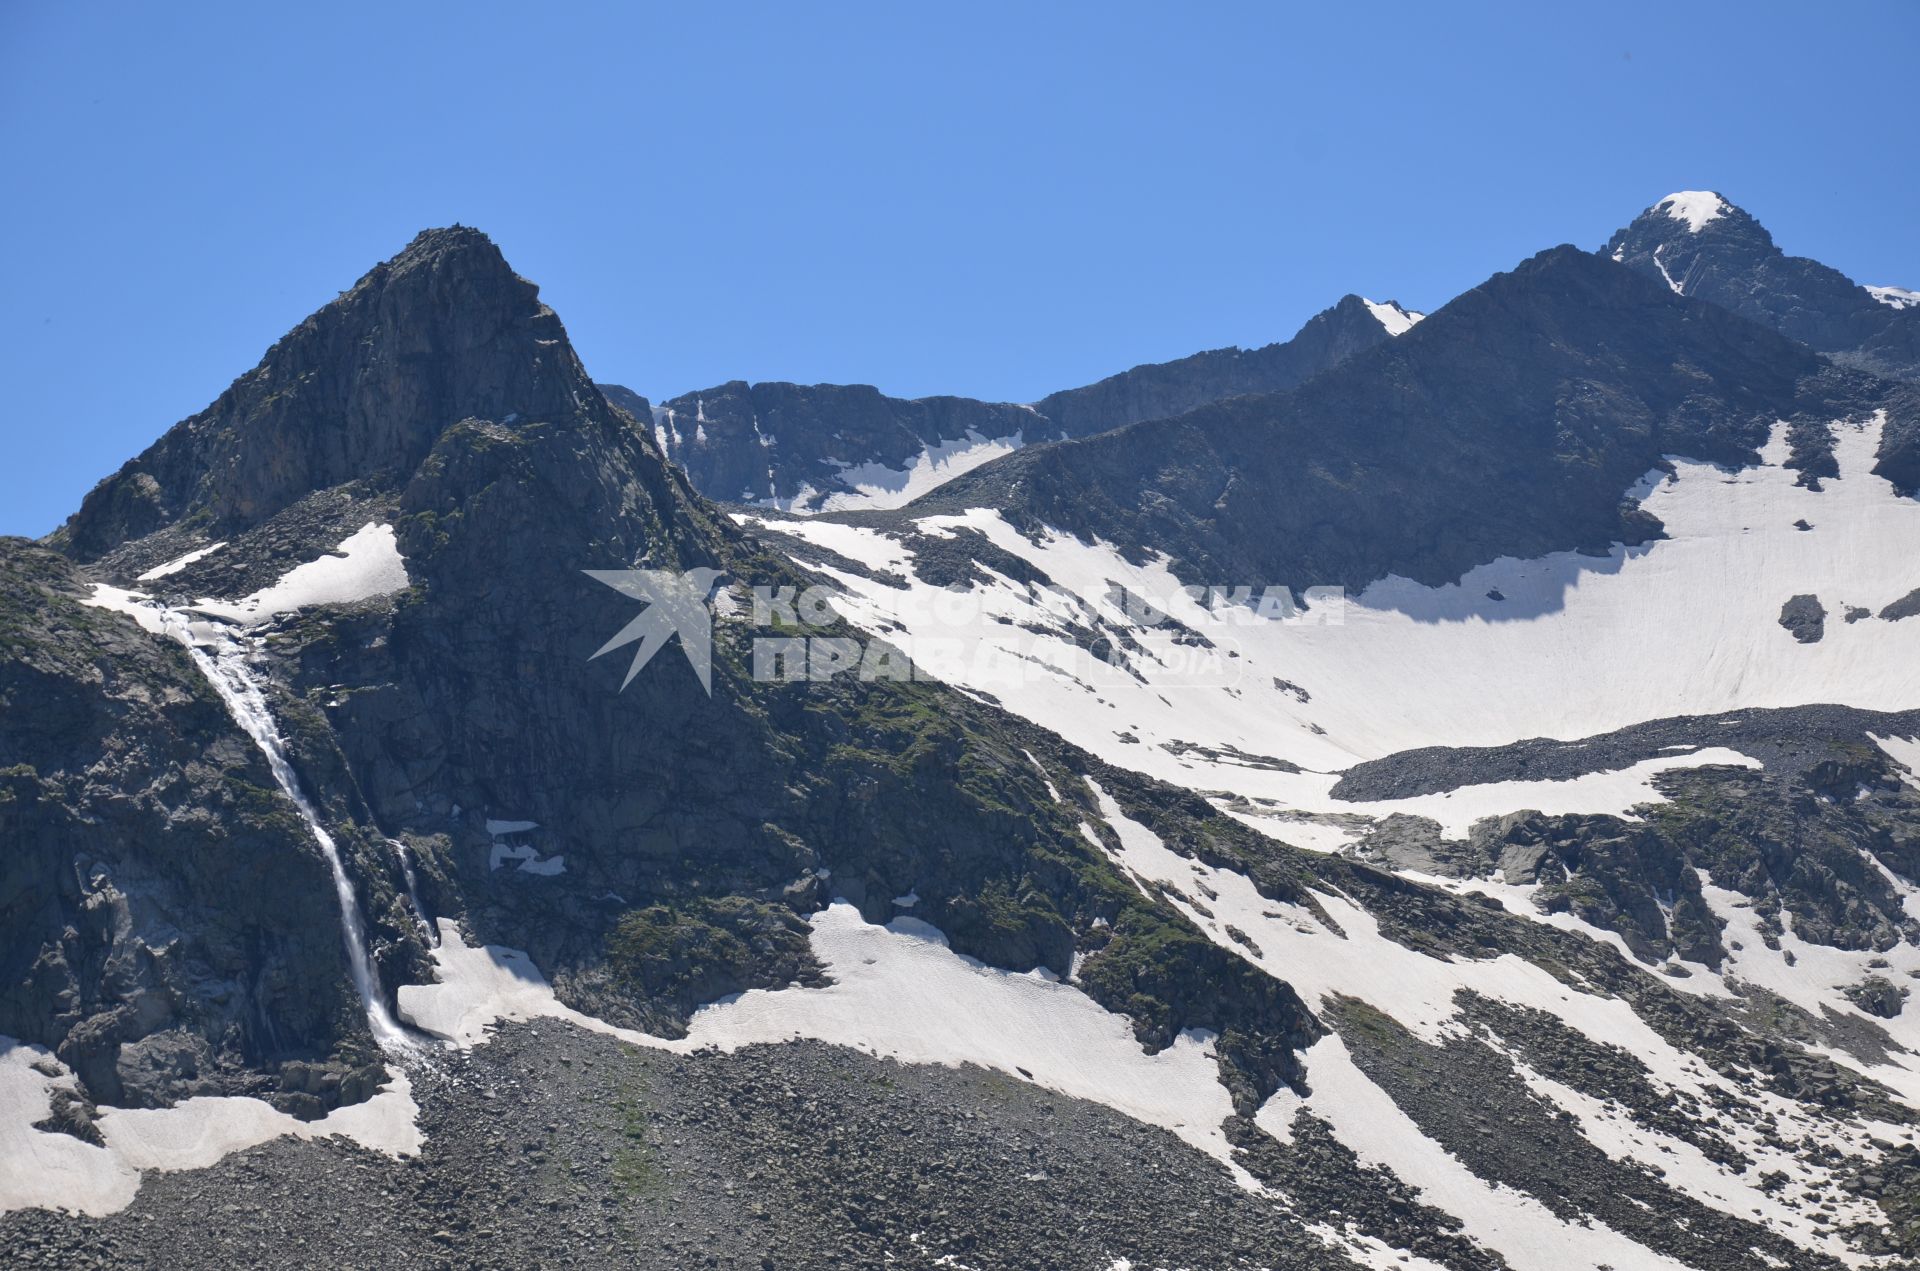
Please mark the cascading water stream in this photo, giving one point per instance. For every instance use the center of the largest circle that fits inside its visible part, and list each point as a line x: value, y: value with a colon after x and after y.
x: 405, y: 856
x: 222, y: 659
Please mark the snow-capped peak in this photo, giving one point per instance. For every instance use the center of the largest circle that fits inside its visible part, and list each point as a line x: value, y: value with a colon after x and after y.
x: 1396, y: 320
x: 1898, y: 297
x: 1695, y: 207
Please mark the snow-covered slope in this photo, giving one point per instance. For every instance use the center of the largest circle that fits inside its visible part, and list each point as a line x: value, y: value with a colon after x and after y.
x: 1686, y: 625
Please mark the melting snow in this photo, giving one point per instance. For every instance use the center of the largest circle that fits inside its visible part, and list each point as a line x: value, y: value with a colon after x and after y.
x: 1661, y: 265
x: 135, y: 604
x: 530, y: 859
x: 48, y: 1169
x: 370, y: 565
x: 876, y: 487
x: 1904, y: 751
x: 179, y: 563
x: 1350, y: 957
x: 1512, y: 1223
x: 1898, y: 297
x: 898, y: 990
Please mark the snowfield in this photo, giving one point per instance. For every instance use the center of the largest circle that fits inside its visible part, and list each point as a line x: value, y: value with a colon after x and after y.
x: 1685, y: 625
x: 49, y: 1169
x: 1347, y: 956
x: 1390, y: 315
x: 876, y: 486
x: 369, y: 565
x: 898, y: 990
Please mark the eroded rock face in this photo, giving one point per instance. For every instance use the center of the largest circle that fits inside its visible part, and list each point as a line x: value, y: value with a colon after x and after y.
x: 359, y: 391
x: 166, y: 923
x: 1877, y: 995
x: 784, y: 444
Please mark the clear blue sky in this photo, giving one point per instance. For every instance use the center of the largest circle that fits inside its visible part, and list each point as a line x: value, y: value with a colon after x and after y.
x: 981, y: 199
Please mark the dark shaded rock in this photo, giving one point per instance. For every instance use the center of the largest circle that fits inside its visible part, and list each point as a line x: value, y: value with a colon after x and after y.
x: 1805, y: 618
x: 1907, y: 606
x: 444, y: 331
x: 796, y: 445
x: 1876, y: 995
x: 1165, y: 389
x: 1615, y: 875
x: 1788, y: 740
x: 72, y: 1113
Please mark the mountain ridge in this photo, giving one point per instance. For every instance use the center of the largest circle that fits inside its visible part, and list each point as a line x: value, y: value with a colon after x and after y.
x: 1556, y: 378
x: 806, y: 448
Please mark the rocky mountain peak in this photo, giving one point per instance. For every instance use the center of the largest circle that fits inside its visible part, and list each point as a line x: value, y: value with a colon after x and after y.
x: 1700, y: 244
x: 1683, y: 224
x: 441, y: 332
x: 434, y: 245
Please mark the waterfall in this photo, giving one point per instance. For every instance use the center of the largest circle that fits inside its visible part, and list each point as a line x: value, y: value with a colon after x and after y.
x: 222, y: 659
x: 413, y: 889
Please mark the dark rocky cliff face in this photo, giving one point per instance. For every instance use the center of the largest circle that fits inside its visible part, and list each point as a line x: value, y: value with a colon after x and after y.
x: 358, y: 392
x: 796, y: 445
x: 774, y: 442
x: 1732, y: 261
x: 167, y: 925
x: 1511, y: 422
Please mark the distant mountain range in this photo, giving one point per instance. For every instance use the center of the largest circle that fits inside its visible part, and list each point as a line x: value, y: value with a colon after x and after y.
x: 832, y: 447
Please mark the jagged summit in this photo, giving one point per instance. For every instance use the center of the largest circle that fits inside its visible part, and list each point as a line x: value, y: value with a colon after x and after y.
x: 442, y: 331
x: 435, y: 242
x: 1700, y: 244
x: 1684, y: 223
